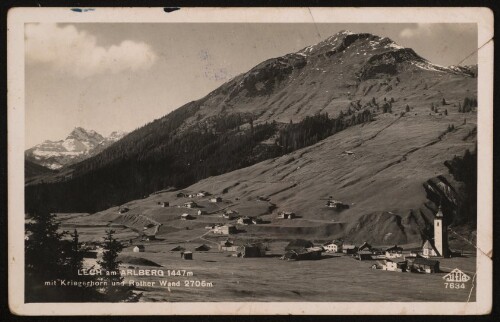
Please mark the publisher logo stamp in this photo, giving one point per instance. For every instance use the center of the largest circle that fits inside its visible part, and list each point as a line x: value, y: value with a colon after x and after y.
x: 455, y: 279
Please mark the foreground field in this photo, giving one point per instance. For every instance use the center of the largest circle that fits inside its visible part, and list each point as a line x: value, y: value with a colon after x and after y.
x: 218, y: 276
x: 335, y: 278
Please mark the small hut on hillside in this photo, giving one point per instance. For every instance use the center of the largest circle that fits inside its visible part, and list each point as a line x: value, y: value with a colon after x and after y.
x: 139, y: 249
x: 187, y: 255
x: 202, y: 248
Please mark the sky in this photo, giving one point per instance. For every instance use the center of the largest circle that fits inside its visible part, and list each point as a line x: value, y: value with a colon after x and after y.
x: 119, y: 76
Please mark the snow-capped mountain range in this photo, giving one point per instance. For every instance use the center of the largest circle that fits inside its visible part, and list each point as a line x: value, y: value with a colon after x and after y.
x: 78, y: 145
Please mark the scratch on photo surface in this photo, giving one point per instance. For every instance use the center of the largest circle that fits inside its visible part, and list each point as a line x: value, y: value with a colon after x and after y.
x: 488, y: 254
x: 315, y: 26
x: 472, y: 287
x: 475, y: 51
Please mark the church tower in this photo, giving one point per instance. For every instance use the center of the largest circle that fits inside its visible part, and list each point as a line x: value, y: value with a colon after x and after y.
x: 441, y: 235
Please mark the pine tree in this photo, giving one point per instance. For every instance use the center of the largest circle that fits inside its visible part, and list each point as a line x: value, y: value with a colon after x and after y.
x: 111, y: 267
x: 443, y: 102
x: 407, y: 108
x: 43, y: 259
x: 446, y: 112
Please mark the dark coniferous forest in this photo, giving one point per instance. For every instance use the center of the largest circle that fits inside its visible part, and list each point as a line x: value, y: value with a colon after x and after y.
x: 160, y: 156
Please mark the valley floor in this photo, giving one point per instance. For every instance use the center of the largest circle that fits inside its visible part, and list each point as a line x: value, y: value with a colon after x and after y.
x: 334, y: 278
x: 216, y: 276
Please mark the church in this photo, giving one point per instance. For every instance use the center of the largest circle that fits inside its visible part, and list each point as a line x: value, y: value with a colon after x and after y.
x: 439, y: 247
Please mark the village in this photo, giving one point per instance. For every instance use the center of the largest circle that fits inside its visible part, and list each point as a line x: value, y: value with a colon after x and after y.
x: 392, y: 258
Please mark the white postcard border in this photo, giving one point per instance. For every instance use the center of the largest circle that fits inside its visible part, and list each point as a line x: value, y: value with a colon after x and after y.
x: 17, y: 17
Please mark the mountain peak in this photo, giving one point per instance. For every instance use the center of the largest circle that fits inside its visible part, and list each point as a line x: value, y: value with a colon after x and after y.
x: 78, y: 145
x: 343, y: 39
x: 80, y: 133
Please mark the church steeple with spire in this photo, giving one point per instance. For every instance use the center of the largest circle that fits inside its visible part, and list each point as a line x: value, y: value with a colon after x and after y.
x: 441, y: 234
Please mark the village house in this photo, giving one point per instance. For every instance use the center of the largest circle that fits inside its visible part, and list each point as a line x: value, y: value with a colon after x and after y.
x: 364, y: 255
x: 225, y: 230
x: 229, y: 214
x: 228, y: 246
x: 190, y: 204
x: 395, y: 265
x: 178, y: 249
x: 424, y: 265
x: 257, y: 221
x: 139, y: 249
x: 349, y: 249
x: 298, y: 244
x: 394, y: 252
x: 202, y: 194
x: 202, y: 212
x: 286, y: 215
x: 163, y: 204
x: 365, y: 247
x: 181, y: 195
x: 252, y: 250
x: 377, y: 253
x: 244, y: 221
x: 411, y: 255
x: 216, y: 199
x: 428, y: 250
x: 333, y: 246
x: 186, y: 217
x: 187, y: 255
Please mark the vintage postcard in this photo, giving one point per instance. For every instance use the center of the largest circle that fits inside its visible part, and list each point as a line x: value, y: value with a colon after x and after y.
x: 250, y: 160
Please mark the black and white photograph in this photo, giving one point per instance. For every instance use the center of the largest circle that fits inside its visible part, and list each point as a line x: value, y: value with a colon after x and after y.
x: 283, y: 161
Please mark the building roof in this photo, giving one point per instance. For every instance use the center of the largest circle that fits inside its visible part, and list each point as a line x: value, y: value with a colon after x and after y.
x: 427, y: 245
x: 178, y: 248
x: 394, y: 248
x: 139, y: 246
x: 365, y: 245
x: 439, y: 214
x: 425, y: 261
x: 334, y: 242
x: 227, y: 243
x: 202, y: 247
